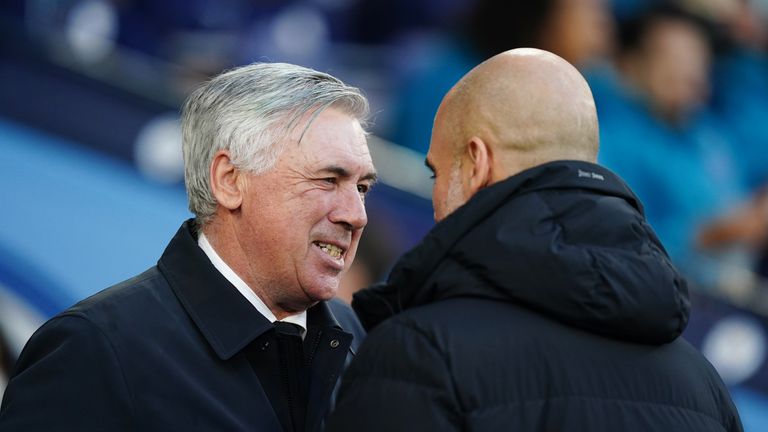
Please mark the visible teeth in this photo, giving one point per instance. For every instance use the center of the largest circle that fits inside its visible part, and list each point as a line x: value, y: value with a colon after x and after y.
x: 330, y: 249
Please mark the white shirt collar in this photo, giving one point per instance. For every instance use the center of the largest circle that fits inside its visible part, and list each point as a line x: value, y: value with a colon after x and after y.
x: 299, y: 319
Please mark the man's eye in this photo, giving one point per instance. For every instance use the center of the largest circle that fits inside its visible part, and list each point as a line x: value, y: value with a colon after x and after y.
x: 432, y: 176
x: 331, y: 180
x: 363, y: 188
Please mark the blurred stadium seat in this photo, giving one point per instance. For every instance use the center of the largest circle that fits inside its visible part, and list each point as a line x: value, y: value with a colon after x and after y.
x: 89, y: 152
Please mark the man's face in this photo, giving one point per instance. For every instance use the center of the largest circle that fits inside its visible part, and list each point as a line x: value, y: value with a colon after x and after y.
x: 300, y: 223
x: 676, y: 65
x: 580, y: 31
x: 447, y: 190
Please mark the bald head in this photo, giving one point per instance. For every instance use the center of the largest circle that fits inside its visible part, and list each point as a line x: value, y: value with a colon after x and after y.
x: 529, y: 105
x: 523, y: 108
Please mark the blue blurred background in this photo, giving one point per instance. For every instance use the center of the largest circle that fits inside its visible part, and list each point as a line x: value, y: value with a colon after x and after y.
x: 90, y: 158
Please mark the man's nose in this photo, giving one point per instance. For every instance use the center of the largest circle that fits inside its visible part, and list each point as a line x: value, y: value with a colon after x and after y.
x: 349, y: 209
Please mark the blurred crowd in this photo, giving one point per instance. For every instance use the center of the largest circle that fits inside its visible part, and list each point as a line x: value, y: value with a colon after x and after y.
x: 681, y: 89
x: 682, y: 95
x: 681, y: 86
x: 679, y: 105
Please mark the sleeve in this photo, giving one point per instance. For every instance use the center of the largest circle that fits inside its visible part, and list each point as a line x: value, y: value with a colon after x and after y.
x: 398, y: 381
x: 68, y: 378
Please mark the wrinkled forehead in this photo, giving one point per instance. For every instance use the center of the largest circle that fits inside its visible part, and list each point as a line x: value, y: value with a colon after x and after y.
x: 336, y: 138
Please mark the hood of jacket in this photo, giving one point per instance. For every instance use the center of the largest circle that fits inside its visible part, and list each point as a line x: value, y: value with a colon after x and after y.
x: 567, y: 239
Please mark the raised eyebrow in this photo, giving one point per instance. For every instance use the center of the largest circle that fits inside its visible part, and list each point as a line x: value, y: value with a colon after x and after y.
x: 371, y: 177
x: 339, y: 171
x: 344, y: 173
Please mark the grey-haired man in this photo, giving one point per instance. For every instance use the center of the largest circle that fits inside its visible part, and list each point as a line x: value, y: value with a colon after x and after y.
x: 235, y: 328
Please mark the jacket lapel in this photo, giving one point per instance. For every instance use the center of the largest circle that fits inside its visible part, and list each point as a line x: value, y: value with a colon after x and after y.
x: 225, y: 318
x: 227, y: 321
x: 230, y: 324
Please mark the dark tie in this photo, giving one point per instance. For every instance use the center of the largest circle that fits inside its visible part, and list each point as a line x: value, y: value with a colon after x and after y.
x: 293, y: 371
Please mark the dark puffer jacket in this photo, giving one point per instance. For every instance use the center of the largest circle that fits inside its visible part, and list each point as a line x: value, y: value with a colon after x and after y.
x: 546, y: 303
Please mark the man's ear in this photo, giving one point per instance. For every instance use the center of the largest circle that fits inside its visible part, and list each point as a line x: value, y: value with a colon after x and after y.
x: 227, y: 181
x: 481, y: 156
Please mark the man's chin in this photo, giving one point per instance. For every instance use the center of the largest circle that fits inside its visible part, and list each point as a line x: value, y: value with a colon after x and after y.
x: 323, y: 292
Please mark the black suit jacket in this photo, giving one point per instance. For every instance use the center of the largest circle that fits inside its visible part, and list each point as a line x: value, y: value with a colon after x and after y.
x: 175, y: 348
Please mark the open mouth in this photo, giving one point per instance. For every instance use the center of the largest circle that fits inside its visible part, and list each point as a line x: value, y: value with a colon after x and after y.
x: 332, y: 250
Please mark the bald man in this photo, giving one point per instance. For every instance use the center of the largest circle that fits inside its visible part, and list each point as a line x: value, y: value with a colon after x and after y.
x: 541, y: 300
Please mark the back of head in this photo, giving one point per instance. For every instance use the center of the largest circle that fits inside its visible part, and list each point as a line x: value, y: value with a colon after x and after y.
x: 248, y: 111
x: 529, y: 106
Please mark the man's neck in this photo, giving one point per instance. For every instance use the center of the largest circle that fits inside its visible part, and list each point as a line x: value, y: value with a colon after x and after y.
x: 229, y: 261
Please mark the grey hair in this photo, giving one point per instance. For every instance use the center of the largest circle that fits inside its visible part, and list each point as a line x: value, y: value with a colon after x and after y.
x: 249, y: 111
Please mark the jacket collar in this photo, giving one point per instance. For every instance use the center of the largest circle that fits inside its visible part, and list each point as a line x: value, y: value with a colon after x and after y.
x: 412, y: 281
x: 416, y: 266
x: 225, y: 318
